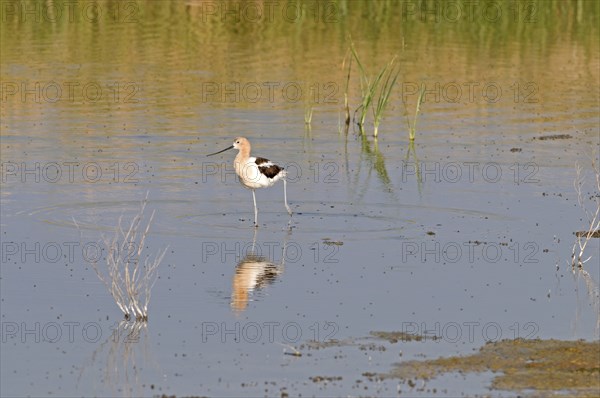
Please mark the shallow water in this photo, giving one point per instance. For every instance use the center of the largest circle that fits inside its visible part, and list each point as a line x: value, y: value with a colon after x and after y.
x: 467, y: 250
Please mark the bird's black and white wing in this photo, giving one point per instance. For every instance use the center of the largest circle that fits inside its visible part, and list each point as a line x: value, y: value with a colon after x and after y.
x: 268, y: 168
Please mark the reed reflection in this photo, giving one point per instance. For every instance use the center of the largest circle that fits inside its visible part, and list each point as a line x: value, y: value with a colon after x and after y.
x: 120, y: 357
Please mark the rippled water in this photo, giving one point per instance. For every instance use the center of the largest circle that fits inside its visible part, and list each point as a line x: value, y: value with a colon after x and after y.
x: 467, y: 249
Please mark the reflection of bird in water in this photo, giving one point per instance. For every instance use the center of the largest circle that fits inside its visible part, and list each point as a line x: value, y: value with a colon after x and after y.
x: 252, y: 273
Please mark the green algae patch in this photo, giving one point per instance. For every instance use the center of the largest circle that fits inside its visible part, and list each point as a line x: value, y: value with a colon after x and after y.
x: 394, y: 337
x: 540, y: 365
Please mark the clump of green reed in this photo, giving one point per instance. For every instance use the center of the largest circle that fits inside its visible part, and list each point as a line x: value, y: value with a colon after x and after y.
x: 391, y: 75
x: 369, y: 88
x: 412, y: 127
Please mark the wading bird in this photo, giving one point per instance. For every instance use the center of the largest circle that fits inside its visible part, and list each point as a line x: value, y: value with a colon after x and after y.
x: 256, y: 172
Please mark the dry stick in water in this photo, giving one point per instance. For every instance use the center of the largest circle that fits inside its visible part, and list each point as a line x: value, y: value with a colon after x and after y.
x: 582, y: 239
x: 128, y: 281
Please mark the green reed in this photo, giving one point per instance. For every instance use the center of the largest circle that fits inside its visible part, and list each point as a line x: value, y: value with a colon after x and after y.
x: 367, y: 90
x: 371, y: 95
x: 391, y: 75
x: 308, y: 114
x: 412, y: 127
x: 347, y: 58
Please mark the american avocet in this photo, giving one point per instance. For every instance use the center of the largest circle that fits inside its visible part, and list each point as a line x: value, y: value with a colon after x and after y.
x: 256, y: 172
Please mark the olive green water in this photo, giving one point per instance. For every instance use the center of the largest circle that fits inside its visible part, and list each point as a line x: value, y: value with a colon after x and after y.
x: 465, y: 235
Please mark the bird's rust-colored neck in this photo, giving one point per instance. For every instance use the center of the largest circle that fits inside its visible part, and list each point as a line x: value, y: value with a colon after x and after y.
x: 244, y: 148
x: 244, y: 151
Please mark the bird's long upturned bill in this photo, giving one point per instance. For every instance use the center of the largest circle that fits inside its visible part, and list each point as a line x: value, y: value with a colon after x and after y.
x: 226, y: 149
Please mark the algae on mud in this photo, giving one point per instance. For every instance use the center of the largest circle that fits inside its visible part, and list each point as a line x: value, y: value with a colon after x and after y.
x: 394, y: 337
x: 541, y: 365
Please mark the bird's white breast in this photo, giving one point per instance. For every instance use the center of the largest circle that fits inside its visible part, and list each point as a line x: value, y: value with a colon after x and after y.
x: 250, y: 175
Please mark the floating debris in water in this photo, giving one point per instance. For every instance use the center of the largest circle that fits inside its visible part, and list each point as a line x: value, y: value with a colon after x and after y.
x: 329, y: 242
x: 554, y: 137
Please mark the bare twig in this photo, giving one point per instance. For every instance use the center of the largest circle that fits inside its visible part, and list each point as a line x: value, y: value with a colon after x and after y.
x: 126, y: 277
x: 592, y: 216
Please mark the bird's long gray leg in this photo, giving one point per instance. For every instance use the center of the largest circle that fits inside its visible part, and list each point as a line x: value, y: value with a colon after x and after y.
x: 255, y: 210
